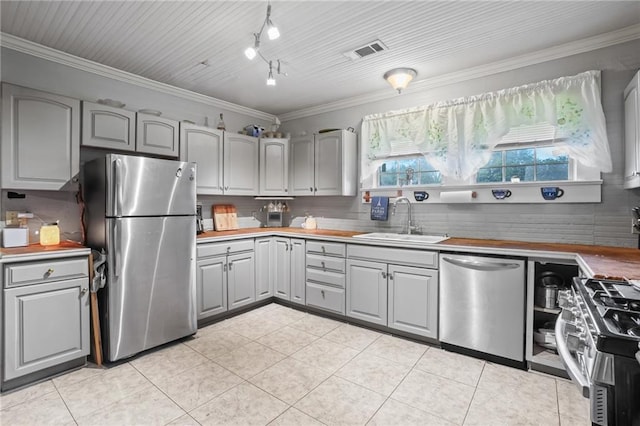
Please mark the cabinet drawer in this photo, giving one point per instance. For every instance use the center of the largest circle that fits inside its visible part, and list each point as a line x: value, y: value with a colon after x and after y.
x: 325, y: 263
x: 45, y: 271
x: 421, y: 258
x: 217, y: 249
x: 324, y: 297
x: 326, y: 248
x: 325, y: 277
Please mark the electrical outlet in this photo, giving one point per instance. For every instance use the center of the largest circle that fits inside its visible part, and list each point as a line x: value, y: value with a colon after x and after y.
x: 11, y: 218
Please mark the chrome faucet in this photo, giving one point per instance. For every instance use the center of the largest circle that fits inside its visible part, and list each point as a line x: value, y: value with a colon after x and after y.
x: 410, y: 224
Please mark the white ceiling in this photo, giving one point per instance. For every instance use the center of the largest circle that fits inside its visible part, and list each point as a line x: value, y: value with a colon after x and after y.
x: 198, y: 45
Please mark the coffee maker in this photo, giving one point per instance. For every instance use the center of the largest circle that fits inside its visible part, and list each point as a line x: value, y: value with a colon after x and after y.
x: 199, y: 225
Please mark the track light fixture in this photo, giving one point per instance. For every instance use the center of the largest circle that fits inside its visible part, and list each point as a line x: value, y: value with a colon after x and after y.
x: 253, y: 51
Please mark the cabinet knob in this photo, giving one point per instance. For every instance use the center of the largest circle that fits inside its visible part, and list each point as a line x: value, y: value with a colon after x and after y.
x: 384, y: 275
x: 315, y: 189
x: 286, y: 190
x: 230, y: 265
x: 322, y: 293
x: 311, y: 189
x: 49, y: 272
x: 390, y: 276
x: 83, y: 291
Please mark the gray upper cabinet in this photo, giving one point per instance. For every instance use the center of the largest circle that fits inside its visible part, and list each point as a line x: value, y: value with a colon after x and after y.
x: 632, y: 133
x: 301, y: 170
x: 40, y: 139
x: 204, y: 146
x: 324, y: 165
x: 157, y: 135
x: 240, y: 164
x: 108, y: 127
x: 274, y: 167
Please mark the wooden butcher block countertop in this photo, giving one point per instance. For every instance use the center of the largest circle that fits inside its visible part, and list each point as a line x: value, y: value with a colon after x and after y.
x: 602, y: 261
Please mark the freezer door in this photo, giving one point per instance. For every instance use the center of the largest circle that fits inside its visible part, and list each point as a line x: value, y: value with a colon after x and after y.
x: 150, y: 292
x: 141, y: 186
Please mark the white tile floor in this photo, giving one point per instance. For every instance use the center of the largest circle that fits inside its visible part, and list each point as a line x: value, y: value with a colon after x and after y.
x: 279, y: 366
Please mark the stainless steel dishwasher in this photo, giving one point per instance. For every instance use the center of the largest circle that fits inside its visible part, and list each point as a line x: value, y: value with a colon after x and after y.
x: 482, y: 306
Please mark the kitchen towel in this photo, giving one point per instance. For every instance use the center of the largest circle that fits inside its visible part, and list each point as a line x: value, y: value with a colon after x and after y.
x: 379, y: 208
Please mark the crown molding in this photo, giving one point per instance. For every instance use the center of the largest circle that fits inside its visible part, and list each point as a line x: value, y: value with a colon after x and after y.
x: 34, y: 49
x: 563, y: 50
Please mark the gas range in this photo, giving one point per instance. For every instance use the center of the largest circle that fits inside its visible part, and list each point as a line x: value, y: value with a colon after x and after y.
x: 598, y: 338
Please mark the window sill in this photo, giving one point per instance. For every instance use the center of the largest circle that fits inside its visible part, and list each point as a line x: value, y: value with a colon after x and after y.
x: 521, y: 192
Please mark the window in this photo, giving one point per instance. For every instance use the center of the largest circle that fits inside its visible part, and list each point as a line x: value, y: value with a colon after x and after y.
x: 407, y: 171
x: 527, y: 164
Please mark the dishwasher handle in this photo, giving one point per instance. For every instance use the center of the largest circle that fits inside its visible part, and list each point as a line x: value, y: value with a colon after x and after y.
x: 481, y: 266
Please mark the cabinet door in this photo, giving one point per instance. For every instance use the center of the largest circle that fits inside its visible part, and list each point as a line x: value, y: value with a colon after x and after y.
x: 282, y: 268
x: 297, y: 278
x: 108, y: 127
x: 204, y: 146
x: 45, y: 325
x: 301, y: 166
x: 274, y: 167
x: 241, y: 279
x: 211, y: 286
x: 40, y: 139
x: 240, y: 164
x: 632, y: 135
x: 367, y: 291
x: 413, y: 300
x: 328, y: 164
x: 157, y: 135
x: 264, y: 273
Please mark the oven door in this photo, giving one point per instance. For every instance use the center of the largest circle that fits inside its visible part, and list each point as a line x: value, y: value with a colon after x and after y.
x: 573, y: 362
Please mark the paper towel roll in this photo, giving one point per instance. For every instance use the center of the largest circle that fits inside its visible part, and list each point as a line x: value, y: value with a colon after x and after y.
x: 456, y: 196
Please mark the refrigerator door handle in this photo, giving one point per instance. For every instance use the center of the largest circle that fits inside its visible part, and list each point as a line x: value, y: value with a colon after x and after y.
x: 117, y: 251
x: 117, y: 188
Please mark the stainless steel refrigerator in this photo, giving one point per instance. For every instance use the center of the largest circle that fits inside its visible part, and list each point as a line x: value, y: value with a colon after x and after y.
x: 142, y: 211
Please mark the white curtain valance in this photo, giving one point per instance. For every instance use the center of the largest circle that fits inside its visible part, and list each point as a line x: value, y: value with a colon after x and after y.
x: 458, y: 136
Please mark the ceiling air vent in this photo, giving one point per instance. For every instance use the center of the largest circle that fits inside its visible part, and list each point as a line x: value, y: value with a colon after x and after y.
x: 375, y: 46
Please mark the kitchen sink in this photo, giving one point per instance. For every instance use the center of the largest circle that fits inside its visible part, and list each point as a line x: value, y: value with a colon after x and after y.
x: 414, y: 238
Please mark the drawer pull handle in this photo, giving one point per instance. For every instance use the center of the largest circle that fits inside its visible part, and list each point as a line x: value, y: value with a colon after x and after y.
x: 323, y: 266
x: 322, y: 292
x: 49, y: 272
x: 323, y: 250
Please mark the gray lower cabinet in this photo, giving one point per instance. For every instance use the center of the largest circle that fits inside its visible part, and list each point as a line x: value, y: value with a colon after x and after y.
x: 264, y: 271
x: 325, y: 276
x: 211, y: 288
x: 367, y: 291
x: 297, y: 275
x: 289, y: 269
x: 413, y: 300
x: 241, y: 284
x: 46, y: 315
x: 385, y: 286
x: 226, y: 277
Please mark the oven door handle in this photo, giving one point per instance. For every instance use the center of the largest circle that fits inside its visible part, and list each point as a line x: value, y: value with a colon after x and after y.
x: 569, y: 362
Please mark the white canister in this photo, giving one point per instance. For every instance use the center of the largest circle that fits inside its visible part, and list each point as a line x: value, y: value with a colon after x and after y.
x: 15, y: 237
